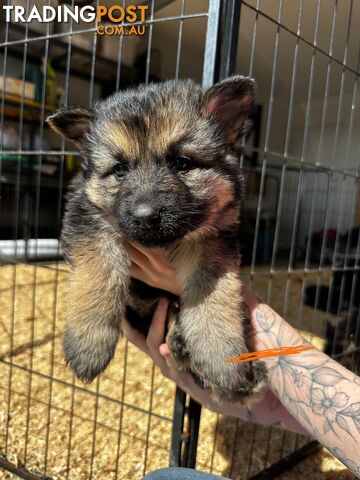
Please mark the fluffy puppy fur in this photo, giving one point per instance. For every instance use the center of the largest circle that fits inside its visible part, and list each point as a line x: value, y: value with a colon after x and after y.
x: 159, y: 169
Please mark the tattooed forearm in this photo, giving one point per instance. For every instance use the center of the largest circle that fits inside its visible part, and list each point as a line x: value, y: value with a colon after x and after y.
x: 320, y: 393
x: 345, y: 460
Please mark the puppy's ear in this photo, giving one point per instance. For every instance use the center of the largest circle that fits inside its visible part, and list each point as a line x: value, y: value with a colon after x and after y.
x: 71, y: 123
x: 230, y: 103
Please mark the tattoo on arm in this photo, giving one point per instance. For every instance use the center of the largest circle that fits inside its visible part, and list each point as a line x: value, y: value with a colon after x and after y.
x: 314, y: 390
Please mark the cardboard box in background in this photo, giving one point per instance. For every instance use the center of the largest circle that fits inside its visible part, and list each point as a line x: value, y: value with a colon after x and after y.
x: 13, y: 86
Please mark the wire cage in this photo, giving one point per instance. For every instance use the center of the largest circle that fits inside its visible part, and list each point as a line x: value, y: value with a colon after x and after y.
x: 300, y: 226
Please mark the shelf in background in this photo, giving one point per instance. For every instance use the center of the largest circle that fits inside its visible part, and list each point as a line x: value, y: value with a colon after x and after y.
x: 105, y: 69
x: 32, y: 110
x: 27, y: 102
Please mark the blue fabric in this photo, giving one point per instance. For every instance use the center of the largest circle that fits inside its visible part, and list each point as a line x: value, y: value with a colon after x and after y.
x: 174, y: 473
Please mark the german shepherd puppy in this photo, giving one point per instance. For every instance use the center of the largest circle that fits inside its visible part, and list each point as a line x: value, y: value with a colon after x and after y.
x: 159, y: 169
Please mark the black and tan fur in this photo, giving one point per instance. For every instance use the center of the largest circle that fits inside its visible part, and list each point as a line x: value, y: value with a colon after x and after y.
x: 136, y: 185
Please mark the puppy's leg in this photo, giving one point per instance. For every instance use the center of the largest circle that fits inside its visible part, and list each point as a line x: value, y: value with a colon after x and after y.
x: 176, y: 340
x: 96, y: 299
x: 211, y: 323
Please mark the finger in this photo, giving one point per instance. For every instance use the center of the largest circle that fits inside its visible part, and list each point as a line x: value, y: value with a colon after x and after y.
x: 138, y: 258
x: 164, y: 350
x: 137, y: 246
x: 182, y: 377
x: 168, y: 357
x: 157, y: 329
x: 136, y: 272
x: 134, y: 336
x: 157, y: 333
x: 165, y: 353
x: 155, y: 257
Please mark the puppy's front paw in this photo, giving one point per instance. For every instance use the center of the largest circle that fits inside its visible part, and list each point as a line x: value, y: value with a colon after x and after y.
x: 88, y: 353
x: 242, y: 383
x: 254, y: 384
x: 177, y: 346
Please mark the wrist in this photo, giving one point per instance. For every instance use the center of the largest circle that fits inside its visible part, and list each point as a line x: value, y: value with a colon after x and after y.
x: 272, y: 330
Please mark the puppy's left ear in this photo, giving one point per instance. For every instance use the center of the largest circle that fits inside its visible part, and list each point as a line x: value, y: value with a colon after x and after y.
x: 230, y: 103
x: 71, y: 123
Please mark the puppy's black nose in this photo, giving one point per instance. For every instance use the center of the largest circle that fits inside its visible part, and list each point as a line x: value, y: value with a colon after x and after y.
x: 146, y: 214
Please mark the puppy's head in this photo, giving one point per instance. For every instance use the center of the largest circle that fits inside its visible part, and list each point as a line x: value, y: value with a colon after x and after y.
x: 158, y: 159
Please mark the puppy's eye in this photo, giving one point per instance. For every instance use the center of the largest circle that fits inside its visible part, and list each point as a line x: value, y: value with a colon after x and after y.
x: 120, y: 169
x: 183, y: 163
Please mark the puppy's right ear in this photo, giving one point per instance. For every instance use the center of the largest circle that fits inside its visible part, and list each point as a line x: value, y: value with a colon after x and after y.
x: 71, y: 123
x: 230, y: 102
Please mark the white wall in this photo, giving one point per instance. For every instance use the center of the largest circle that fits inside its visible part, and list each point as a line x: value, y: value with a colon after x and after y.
x: 328, y: 200
x: 260, y: 37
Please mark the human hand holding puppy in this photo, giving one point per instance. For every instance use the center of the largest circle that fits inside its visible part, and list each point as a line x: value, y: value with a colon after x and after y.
x: 309, y: 393
x: 152, y: 266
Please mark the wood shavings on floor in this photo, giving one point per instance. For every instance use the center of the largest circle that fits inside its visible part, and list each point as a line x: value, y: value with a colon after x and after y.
x: 57, y: 426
